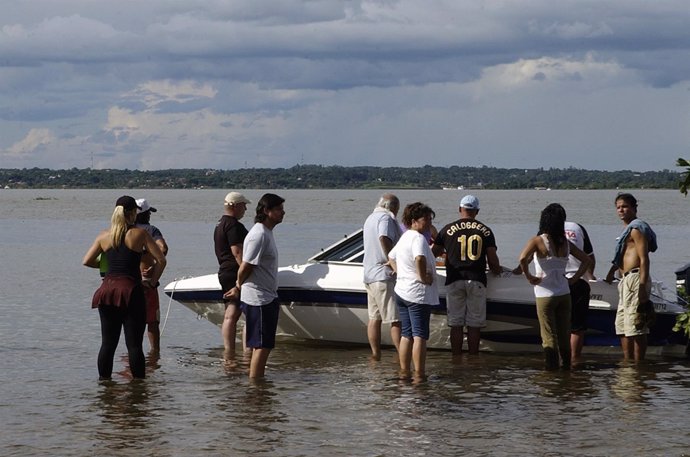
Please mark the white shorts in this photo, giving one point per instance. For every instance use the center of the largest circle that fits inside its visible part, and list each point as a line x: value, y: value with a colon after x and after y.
x: 381, y: 302
x: 466, y: 303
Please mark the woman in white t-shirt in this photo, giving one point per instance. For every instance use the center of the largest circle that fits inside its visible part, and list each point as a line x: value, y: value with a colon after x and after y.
x: 416, y: 287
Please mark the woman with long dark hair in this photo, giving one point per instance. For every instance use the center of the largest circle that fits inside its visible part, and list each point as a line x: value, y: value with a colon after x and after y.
x: 120, y: 299
x: 550, y: 250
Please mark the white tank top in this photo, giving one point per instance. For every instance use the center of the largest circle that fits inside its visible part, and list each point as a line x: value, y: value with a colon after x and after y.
x: 551, y: 270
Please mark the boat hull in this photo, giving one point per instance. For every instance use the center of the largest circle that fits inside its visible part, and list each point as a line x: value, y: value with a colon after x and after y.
x: 327, y: 302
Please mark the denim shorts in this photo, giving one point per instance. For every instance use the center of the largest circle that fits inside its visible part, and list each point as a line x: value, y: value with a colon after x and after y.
x: 414, y: 318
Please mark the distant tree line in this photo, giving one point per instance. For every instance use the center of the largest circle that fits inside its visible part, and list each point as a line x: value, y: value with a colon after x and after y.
x: 337, y: 177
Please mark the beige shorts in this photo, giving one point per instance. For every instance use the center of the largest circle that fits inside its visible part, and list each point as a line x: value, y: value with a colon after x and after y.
x: 381, y: 302
x: 628, y: 289
x: 466, y: 303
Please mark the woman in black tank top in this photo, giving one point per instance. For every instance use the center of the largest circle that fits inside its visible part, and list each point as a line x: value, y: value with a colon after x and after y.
x: 120, y: 298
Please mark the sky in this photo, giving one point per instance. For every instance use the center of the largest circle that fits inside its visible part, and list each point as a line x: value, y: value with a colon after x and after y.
x: 159, y: 84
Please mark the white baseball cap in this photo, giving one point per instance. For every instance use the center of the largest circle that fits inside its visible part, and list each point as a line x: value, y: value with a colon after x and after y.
x: 144, y: 206
x: 469, y: 202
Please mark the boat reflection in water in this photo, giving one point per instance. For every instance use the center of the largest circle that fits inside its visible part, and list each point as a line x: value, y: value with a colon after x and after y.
x: 325, y: 300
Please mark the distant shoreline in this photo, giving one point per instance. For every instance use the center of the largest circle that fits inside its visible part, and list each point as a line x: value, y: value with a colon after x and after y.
x: 337, y: 177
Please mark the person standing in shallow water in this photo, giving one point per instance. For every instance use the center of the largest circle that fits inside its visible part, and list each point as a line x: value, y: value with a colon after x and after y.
x: 580, y: 290
x: 120, y: 298
x: 416, y: 289
x: 257, y: 282
x: 631, y: 261
x: 228, y: 239
x: 470, y: 246
x: 550, y: 250
x: 380, y: 233
x: 152, y: 302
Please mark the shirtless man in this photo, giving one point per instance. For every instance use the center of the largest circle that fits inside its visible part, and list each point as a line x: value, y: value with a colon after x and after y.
x: 632, y: 262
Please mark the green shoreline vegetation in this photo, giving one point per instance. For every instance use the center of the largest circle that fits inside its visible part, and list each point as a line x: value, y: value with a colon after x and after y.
x: 339, y: 177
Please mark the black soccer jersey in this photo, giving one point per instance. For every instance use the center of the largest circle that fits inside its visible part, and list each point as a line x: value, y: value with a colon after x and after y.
x: 465, y: 242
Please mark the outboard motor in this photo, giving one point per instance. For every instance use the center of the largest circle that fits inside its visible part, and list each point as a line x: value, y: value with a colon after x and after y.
x: 683, y: 293
x: 683, y: 284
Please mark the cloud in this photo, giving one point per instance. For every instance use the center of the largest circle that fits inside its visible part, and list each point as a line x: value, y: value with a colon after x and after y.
x: 205, y: 137
x: 34, y: 140
x: 572, y: 30
x: 218, y: 84
x: 81, y: 38
x: 588, y: 72
x: 155, y: 93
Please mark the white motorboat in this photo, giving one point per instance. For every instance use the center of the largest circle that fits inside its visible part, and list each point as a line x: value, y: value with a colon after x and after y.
x: 325, y: 300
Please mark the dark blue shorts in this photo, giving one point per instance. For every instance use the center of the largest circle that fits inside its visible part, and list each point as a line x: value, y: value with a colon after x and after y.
x: 414, y: 318
x: 261, y: 324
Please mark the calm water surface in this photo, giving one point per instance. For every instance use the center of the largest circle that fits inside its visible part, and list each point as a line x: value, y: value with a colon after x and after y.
x: 317, y: 400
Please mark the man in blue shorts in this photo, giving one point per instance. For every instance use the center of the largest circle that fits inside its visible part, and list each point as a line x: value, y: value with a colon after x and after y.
x: 257, y: 282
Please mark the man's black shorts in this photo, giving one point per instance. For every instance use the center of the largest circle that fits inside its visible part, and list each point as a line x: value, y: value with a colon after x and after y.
x: 579, y: 296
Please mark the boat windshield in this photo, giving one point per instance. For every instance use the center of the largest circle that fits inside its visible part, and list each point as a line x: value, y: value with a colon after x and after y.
x: 349, y: 250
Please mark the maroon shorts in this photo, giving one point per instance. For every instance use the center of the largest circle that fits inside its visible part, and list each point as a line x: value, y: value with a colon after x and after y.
x: 117, y: 291
x: 152, y: 305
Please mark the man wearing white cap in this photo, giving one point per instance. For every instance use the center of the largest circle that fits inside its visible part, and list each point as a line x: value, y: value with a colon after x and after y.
x: 469, y: 245
x: 228, y: 240
x: 147, y: 262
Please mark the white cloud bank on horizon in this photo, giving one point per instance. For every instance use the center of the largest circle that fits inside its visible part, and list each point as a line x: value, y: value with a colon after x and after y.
x: 229, y: 84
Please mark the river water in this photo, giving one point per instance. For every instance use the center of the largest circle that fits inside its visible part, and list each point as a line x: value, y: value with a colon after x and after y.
x: 317, y: 400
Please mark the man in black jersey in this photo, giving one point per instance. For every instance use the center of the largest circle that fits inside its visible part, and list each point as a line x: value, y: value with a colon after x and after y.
x: 228, y: 239
x: 469, y: 246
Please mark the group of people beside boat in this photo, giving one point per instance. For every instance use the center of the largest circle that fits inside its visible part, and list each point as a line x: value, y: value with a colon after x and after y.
x: 131, y: 257
x: 402, y: 286
x: 399, y: 276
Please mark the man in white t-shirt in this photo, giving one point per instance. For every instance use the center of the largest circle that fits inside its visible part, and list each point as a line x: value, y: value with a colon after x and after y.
x: 381, y: 232
x: 257, y: 282
x: 580, y: 290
